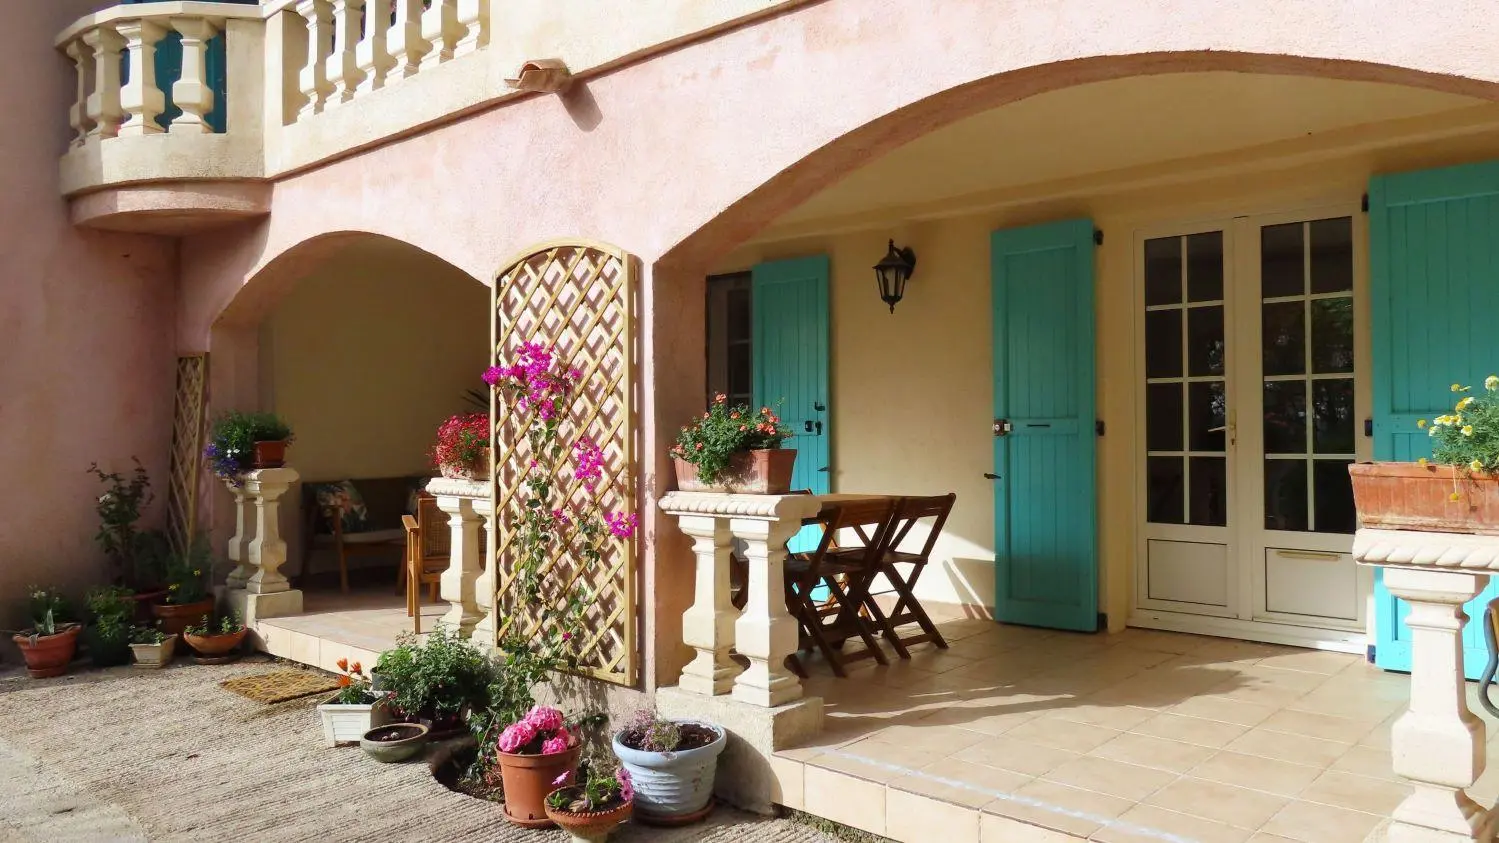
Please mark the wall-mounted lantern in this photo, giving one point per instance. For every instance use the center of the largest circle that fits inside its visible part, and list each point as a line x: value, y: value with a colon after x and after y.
x: 893, y: 271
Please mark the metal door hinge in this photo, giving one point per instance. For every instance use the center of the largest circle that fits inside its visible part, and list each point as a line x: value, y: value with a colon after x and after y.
x: 1002, y: 427
x: 1364, y: 204
x: 1369, y: 427
x: 1098, y: 237
x: 1098, y: 427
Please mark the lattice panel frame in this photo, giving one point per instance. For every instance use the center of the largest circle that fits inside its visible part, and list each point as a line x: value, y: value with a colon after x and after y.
x: 579, y: 299
x: 189, y: 428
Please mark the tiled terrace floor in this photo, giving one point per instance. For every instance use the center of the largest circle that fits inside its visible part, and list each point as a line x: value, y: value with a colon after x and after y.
x: 357, y: 626
x: 1020, y: 735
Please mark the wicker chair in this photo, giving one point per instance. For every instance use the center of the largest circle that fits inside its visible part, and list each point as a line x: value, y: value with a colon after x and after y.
x: 428, y: 543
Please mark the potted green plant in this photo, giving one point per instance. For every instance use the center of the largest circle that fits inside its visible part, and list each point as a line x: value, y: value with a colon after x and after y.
x: 535, y: 752
x: 187, y: 601
x: 436, y: 681
x: 240, y: 442
x: 107, y: 636
x: 51, y: 641
x: 734, y: 449
x: 672, y: 764
x: 152, y: 648
x: 590, y: 804
x: 1457, y: 489
x: 216, y: 642
x: 119, y: 510
x: 354, y: 710
x: 462, y: 447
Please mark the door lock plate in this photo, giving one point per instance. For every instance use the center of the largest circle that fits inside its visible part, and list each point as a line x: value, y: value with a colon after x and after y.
x: 1002, y: 427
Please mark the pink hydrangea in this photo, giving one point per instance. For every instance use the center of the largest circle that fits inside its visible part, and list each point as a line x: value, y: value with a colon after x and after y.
x: 544, y: 719
x: 516, y: 736
x: 555, y: 746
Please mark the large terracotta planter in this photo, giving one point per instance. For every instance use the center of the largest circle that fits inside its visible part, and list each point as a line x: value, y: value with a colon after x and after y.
x: 215, y: 645
x: 528, y: 779
x: 762, y: 472
x: 270, y: 454
x: 1410, y: 496
x: 174, y: 618
x: 478, y: 471
x: 590, y: 825
x: 48, y: 655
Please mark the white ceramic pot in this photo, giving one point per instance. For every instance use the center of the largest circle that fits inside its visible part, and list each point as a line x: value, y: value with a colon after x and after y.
x: 671, y: 785
x: 348, y: 723
x: 154, y: 656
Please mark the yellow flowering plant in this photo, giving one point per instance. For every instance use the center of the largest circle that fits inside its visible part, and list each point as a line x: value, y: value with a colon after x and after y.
x: 1468, y: 437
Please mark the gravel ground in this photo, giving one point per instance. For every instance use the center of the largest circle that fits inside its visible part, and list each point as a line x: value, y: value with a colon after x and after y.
x: 121, y: 754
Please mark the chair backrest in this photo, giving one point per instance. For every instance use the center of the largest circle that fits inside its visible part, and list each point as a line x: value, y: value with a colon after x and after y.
x: 432, y: 527
x: 910, y: 511
x: 871, y: 519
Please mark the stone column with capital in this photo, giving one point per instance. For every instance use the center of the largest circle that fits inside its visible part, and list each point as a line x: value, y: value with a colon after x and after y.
x: 457, y: 498
x: 708, y: 626
x: 485, y: 629
x: 267, y: 552
x: 765, y: 632
x: 239, y: 543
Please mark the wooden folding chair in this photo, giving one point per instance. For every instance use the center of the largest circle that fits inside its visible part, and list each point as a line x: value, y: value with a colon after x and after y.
x: 908, y: 513
x: 427, y: 556
x: 826, y: 625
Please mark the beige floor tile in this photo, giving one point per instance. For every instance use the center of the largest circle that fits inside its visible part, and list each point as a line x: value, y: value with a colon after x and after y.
x: 1357, y: 793
x: 1166, y: 642
x: 1060, y: 808
x: 1120, y: 717
x: 789, y: 778
x: 845, y: 799
x: 1236, y: 806
x: 961, y: 782
x: 928, y: 737
x: 1262, y: 837
x: 1312, y: 661
x: 1364, y: 761
x: 983, y: 645
x: 1010, y: 753
x: 901, y: 755
x: 1313, y: 823
x: 1149, y: 824
x: 1297, y: 749
x: 1063, y: 734
x: 1225, y: 710
x: 914, y: 818
x: 996, y: 829
x: 1146, y: 751
x: 1257, y: 773
x: 1340, y: 703
x: 987, y: 720
x: 1115, y: 778
x: 1321, y: 726
x: 1194, y: 730
x: 877, y: 773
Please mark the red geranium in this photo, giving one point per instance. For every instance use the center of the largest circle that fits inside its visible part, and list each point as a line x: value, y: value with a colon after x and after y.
x: 461, y: 441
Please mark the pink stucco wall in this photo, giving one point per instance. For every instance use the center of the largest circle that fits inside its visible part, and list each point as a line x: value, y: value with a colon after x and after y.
x: 88, y: 366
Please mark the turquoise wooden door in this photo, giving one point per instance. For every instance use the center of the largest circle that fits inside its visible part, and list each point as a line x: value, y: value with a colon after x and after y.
x: 790, y: 353
x: 1045, y: 509
x: 1434, y: 261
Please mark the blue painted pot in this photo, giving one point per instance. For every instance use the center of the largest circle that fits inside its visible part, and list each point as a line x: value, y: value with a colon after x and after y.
x: 671, y: 785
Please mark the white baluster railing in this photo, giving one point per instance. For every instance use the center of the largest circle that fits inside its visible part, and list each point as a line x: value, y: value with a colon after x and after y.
x: 192, y: 92
x: 314, y: 76
x: 372, y: 55
x: 440, y: 30
x: 342, y: 65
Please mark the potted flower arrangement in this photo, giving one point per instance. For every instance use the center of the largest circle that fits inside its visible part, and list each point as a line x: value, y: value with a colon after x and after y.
x: 240, y: 442
x: 354, y: 710
x: 152, y: 648
x: 535, y: 752
x: 592, y: 803
x: 732, y: 449
x: 187, y: 601
x: 51, y: 642
x: 436, y: 681
x: 216, y: 643
x: 107, y: 636
x: 672, y: 764
x: 1457, y: 489
x: 462, y: 448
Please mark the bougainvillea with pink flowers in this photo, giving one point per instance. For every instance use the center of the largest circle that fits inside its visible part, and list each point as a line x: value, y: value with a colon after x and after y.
x: 543, y: 731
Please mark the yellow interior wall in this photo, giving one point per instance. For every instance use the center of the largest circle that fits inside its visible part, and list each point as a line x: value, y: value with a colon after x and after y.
x: 912, y: 392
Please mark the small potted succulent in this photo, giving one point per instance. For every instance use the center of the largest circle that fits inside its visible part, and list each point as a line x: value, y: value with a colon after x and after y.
x: 216, y: 643
x: 534, y: 752
x: 462, y: 447
x: 241, y: 442
x: 107, y: 636
x: 187, y: 601
x: 51, y: 642
x: 734, y: 449
x: 672, y: 764
x: 354, y: 710
x: 152, y: 648
x: 590, y: 804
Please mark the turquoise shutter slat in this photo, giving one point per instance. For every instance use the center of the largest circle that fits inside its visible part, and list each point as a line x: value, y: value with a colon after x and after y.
x: 1433, y: 262
x: 790, y: 357
x: 1045, y: 506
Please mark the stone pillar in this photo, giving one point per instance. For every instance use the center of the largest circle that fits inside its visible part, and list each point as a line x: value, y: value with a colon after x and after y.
x: 267, y: 552
x: 239, y: 543
x: 484, y: 596
x: 104, y: 114
x: 314, y: 79
x: 191, y: 92
x: 83, y: 63
x: 708, y: 627
x: 766, y: 633
x: 457, y: 498
x: 140, y: 98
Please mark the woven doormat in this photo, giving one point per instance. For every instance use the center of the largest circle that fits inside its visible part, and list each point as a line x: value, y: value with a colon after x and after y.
x: 281, y: 685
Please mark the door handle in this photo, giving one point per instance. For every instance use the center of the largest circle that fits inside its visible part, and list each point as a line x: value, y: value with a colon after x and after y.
x: 807, y: 426
x: 1002, y: 427
x: 823, y: 469
x: 989, y: 476
x: 819, y: 407
x: 818, y: 425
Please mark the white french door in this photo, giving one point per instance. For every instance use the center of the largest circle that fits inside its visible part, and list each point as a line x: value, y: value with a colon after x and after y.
x: 1253, y: 382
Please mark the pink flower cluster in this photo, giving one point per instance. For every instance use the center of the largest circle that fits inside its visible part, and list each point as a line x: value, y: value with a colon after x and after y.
x: 532, y: 376
x: 626, y: 786
x: 545, y: 718
x: 622, y: 525
x: 542, y: 723
x: 517, y: 736
x: 590, y: 459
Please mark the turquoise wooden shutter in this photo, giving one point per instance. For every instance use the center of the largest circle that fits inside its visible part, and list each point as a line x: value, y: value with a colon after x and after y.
x: 1045, y: 508
x: 790, y: 354
x: 1434, y: 289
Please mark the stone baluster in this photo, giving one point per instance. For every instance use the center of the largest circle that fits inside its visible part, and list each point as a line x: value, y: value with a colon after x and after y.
x: 83, y: 64
x: 440, y: 31
x: 473, y: 26
x: 457, y: 499
x: 314, y: 79
x: 708, y: 627
x: 484, y: 596
x: 191, y: 92
x: 104, y: 112
x: 343, y: 63
x: 239, y: 543
x: 766, y: 633
x: 404, y: 42
x: 140, y: 98
x: 372, y: 55
x: 267, y: 552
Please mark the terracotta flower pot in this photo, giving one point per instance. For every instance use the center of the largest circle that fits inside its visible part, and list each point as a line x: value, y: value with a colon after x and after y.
x: 1410, y: 496
x: 270, y: 454
x: 48, y: 655
x: 590, y: 825
x: 528, y: 779
x: 215, y: 645
x: 762, y: 472
x: 176, y: 618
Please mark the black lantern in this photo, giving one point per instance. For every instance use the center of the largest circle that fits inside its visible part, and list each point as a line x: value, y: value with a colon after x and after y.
x: 893, y: 271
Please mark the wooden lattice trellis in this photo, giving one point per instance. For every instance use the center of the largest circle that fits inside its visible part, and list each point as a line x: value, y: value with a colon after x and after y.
x: 187, y: 450
x: 578, y: 299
